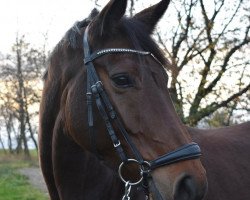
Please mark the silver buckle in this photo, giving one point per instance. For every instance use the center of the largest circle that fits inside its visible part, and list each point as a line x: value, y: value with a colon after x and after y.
x: 118, y: 144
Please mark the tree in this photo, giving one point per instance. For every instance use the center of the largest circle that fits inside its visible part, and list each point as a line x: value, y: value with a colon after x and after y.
x: 20, y: 77
x: 208, y: 46
x: 217, y: 45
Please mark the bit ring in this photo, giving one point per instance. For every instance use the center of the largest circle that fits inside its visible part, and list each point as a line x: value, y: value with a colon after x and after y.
x: 120, y: 172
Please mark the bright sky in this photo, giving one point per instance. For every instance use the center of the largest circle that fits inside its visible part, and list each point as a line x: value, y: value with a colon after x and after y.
x: 34, y: 18
x: 37, y: 17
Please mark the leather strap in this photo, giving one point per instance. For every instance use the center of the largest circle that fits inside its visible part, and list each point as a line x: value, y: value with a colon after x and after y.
x: 186, y: 152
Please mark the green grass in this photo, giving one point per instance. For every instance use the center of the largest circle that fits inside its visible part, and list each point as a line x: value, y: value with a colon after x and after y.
x: 14, y: 186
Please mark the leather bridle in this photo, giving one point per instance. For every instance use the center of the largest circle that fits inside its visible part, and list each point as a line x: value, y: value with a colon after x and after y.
x: 95, y: 90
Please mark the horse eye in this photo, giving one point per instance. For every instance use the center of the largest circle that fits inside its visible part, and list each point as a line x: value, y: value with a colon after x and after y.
x: 122, y: 80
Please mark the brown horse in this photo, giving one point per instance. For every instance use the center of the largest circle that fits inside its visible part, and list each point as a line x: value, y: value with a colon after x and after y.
x: 77, y: 165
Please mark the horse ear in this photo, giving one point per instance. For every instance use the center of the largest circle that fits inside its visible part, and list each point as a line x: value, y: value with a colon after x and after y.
x: 150, y: 16
x: 110, y: 15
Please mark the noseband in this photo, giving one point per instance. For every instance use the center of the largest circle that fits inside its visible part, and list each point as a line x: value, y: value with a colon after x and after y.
x: 95, y: 90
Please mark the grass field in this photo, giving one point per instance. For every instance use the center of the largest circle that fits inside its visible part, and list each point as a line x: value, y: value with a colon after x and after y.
x: 14, y: 186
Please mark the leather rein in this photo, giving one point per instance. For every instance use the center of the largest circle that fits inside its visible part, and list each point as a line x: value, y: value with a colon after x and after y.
x: 96, y: 92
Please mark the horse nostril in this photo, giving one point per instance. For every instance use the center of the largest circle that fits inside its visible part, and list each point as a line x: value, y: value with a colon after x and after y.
x: 185, y: 189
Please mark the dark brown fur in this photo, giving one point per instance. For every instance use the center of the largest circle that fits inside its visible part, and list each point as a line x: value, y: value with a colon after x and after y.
x: 226, y: 160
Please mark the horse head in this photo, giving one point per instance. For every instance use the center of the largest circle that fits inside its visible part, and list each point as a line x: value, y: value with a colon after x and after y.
x: 124, y: 74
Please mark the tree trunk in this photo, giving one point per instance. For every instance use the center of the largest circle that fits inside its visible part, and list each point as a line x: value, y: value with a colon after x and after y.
x: 2, y: 144
x: 20, y: 95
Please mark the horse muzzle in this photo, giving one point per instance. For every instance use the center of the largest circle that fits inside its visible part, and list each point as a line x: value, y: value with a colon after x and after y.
x: 169, y: 185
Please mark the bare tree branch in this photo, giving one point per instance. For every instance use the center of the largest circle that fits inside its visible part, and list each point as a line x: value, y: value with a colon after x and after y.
x: 208, y: 110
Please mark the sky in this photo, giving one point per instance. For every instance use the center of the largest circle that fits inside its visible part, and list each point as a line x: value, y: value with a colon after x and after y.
x: 34, y: 18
